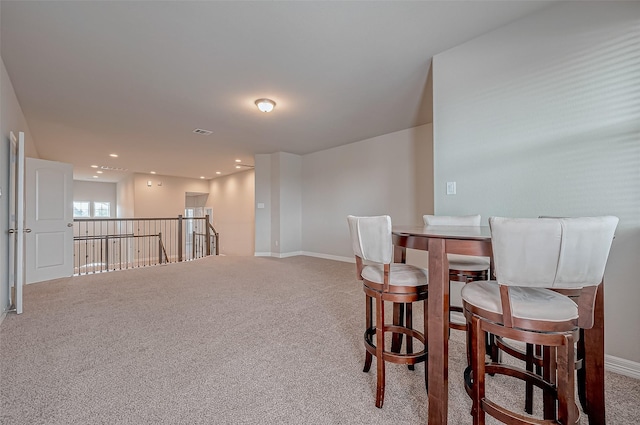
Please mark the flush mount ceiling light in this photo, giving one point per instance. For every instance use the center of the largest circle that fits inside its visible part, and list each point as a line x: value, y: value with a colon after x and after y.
x: 265, y: 105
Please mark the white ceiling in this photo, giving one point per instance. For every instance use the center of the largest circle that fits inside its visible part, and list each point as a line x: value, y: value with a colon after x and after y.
x: 136, y: 78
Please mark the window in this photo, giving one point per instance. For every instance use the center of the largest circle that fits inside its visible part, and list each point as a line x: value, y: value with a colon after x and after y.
x: 81, y: 209
x: 85, y: 209
x: 101, y: 209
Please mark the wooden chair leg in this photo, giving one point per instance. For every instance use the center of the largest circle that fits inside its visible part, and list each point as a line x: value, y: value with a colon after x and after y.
x: 369, y: 324
x: 582, y: 376
x: 398, y: 320
x: 567, y: 413
x: 528, y: 398
x: 368, y: 358
x: 380, y: 351
x: 409, y: 324
x: 471, y: 353
x: 549, y: 369
x: 478, y: 349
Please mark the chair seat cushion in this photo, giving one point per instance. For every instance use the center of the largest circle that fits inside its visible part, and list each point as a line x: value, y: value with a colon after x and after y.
x: 468, y: 262
x: 526, y: 303
x: 399, y: 275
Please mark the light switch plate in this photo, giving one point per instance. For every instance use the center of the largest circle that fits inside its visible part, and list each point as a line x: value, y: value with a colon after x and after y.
x: 451, y: 188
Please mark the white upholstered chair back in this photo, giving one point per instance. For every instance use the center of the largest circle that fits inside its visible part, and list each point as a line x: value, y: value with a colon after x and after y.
x: 551, y: 252
x: 371, y: 238
x: 451, y: 220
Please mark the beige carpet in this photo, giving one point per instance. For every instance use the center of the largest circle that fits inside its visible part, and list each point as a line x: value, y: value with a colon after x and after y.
x: 222, y: 340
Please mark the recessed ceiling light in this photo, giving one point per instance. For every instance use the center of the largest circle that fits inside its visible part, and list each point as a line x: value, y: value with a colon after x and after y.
x: 99, y: 172
x: 95, y: 177
x: 152, y: 172
x: 265, y: 105
x: 237, y: 166
x: 94, y: 166
x: 201, y: 177
x: 218, y: 172
x: 238, y: 160
x: 113, y: 155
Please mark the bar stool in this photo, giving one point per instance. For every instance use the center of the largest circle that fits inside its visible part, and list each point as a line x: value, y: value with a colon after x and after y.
x: 532, y: 258
x: 385, y: 281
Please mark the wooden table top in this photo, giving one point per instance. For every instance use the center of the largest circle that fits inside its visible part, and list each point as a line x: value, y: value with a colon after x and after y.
x: 446, y: 232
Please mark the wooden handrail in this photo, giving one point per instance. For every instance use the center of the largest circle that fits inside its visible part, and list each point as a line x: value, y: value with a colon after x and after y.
x: 216, y: 235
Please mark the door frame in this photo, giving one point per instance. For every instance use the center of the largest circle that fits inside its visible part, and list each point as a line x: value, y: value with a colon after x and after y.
x: 16, y: 221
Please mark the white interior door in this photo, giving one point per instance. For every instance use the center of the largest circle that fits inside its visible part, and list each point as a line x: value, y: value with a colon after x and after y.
x: 49, y: 220
x: 16, y: 220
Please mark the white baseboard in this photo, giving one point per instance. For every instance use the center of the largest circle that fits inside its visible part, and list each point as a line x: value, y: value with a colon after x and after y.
x: 277, y: 254
x: 622, y: 366
x: 329, y: 257
x: 307, y: 253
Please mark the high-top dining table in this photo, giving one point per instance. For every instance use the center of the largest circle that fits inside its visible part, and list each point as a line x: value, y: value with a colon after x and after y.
x: 470, y: 240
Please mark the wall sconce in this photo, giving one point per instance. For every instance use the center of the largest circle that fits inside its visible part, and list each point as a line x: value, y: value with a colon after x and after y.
x: 149, y: 183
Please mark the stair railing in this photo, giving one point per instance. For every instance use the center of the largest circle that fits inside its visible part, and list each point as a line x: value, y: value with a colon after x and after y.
x: 122, y: 243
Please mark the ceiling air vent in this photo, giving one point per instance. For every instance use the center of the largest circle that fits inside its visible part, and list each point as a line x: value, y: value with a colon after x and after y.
x: 109, y: 168
x: 202, y: 132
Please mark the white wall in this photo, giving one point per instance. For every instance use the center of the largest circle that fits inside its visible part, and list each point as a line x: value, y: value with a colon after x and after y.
x: 196, y: 201
x: 125, y: 193
x: 278, y: 187
x: 167, y: 200
x: 542, y: 117
x: 263, y: 198
x: 11, y: 119
x: 96, y: 192
x: 370, y: 177
x: 275, y: 205
x: 232, y: 201
x: 230, y: 197
x: 290, y: 203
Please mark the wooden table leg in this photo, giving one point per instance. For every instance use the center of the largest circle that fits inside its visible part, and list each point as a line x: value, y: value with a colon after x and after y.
x: 594, y: 363
x: 438, y: 329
